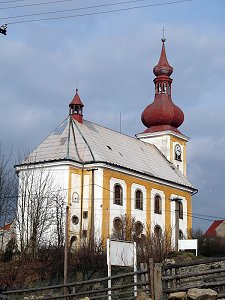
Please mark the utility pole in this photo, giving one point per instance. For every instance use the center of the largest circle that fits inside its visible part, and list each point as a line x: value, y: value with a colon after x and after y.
x: 176, y: 225
x: 92, y: 232
x: 177, y: 219
x: 66, y: 249
x: 92, y: 223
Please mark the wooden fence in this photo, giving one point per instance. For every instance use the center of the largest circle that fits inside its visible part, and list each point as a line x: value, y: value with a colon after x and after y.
x: 207, y: 273
x: 122, y: 288
x: 157, y: 280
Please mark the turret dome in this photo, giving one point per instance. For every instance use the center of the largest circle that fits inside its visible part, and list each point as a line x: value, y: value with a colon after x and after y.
x: 162, y: 114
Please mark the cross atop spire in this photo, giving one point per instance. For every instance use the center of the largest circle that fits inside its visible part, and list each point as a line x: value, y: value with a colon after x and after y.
x: 163, y: 38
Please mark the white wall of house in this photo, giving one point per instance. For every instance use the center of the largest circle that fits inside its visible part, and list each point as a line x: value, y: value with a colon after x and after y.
x: 162, y: 142
x: 45, y: 182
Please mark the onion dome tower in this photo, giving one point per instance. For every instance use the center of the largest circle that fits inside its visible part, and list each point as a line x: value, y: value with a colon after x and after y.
x: 162, y: 117
x: 76, y: 108
x: 162, y: 114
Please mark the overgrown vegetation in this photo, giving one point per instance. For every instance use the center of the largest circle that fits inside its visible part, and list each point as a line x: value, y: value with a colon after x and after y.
x: 25, y: 269
x: 156, y: 245
x: 209, y: 246
x: 47, y: 266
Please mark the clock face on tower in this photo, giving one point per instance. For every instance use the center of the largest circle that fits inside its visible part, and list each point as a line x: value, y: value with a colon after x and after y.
x: 177, y: 151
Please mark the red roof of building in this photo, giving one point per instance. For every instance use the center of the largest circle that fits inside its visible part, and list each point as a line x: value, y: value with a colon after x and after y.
x: 6, y: 227
x: 212, y: 229
x: 76, y: 100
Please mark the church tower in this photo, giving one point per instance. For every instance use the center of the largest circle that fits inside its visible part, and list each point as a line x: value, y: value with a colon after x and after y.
x: 162, y: 117
x: 76, y: 108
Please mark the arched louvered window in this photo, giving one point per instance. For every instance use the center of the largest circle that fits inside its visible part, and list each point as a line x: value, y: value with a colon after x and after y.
x: 138, y: 199
x: 118, y: 194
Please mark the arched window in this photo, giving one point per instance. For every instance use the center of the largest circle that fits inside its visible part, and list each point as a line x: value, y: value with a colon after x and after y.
x: 138, y: 227
x: 118, y: 194
x: 73, y: 241
x: 181, y: 235
x: 157, y: 230
x: 158, y: 205
x: 117, y: 223
x: 160, y: 89
x: 180, y: 207
x: 139, y: 199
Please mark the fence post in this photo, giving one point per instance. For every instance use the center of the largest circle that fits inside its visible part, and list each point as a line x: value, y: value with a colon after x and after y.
x: 145, y: 277
x: 151, y: 277
x: 158, y: 281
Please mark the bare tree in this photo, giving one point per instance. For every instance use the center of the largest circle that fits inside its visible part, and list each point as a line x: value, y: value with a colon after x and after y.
x: 40, y: 210
x: 124, y: 228
x: 7, y: 191
x: 156, y: 245
x: 59, y: 218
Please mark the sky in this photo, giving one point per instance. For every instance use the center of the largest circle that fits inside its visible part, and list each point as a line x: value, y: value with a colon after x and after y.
x: 109, y: 57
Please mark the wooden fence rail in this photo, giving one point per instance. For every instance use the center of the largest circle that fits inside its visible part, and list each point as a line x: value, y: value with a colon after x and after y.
x: 204, y: 273
x: 157, y: 280
x: 119, y: 291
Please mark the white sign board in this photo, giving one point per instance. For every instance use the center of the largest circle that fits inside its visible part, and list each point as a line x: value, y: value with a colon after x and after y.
x: 121, y: 253
x: 188, y: 245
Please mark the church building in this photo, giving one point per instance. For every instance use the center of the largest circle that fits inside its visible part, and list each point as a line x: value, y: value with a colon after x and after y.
x: 106, y: 174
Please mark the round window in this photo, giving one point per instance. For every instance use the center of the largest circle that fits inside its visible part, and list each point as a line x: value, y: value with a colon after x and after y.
x: 75, y: 220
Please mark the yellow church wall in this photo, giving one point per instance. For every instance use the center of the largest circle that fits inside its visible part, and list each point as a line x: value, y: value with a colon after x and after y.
x: 129, y: 180
x: 81, y: 174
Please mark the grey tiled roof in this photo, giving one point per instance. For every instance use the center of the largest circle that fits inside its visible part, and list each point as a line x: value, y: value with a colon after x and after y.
x: 89, y: 142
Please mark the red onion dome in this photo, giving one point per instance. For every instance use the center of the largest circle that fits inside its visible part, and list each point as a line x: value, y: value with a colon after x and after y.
x: 162, y: 114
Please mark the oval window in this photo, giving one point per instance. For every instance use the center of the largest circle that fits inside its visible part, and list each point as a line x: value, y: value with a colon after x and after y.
x: 75, y: 220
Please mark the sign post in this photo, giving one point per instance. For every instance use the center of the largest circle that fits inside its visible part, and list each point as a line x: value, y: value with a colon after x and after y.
x: 121, y: 253
x: 109, y: 270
